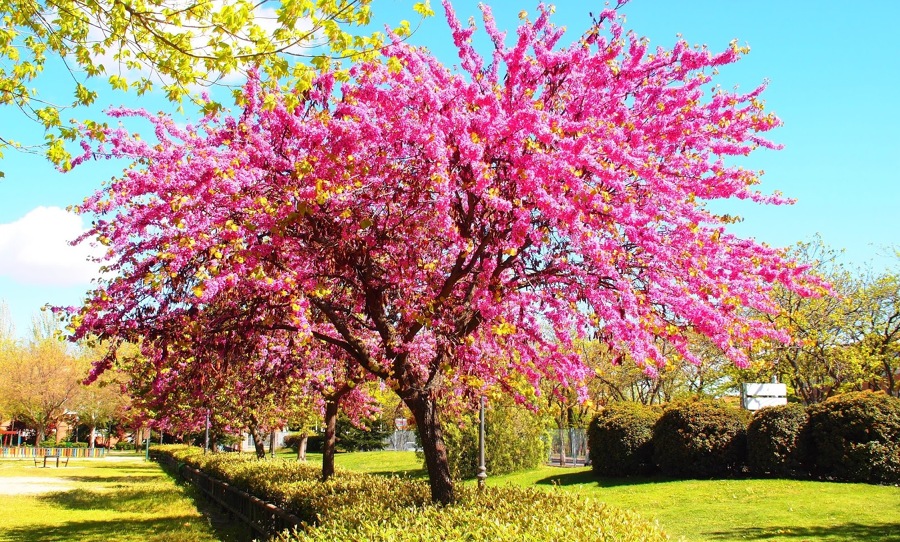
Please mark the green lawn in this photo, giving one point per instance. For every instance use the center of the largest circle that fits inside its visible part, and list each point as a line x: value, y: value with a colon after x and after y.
x: 752, y: 509
x: 100, y: 500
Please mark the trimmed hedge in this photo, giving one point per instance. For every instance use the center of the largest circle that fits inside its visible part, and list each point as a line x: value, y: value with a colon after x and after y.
x: 512, y: 441
x: 620, y: 439
x: 774, y: 440
x: 354, y: 506
x: 49, y: 443
x: 497, y: 514
x: 701, y: 439
x: 856, y: 437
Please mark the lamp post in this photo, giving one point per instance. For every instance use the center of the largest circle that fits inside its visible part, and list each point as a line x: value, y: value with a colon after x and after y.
x: 482, y: 470
x: 206, y: 438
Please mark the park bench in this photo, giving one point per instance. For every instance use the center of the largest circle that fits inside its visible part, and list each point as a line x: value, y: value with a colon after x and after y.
x: 59, y: 459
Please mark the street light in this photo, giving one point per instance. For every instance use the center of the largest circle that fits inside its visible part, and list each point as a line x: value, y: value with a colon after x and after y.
x: 482, y: 470
x: 206, y: 438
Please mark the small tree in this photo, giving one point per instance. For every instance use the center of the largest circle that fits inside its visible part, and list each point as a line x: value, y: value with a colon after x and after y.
x: 515, y: 439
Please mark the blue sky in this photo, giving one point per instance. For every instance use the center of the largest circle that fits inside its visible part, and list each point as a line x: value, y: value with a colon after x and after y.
x: 833, y: 72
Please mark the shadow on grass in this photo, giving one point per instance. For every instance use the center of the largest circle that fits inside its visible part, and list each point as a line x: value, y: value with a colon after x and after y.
x: 880, y: 532
x: 135, y: 500
x: 139, y: 478
x: 226, y: 527
x: 147, y: 494
x: 587, y: 478
x: 171, y: 528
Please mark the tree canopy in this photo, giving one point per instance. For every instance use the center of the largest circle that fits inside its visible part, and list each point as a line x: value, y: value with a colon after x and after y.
x: 180, y: 47
x: 453, y: 230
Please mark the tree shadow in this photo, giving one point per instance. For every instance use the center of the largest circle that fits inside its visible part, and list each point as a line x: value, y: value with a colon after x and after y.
x: 588, y: 478
x: 879, y: 532
x: 139, y: 478
x: 118, y: 500
x: 226, y: 527
x: 133, y: 495
x: 171, y: 528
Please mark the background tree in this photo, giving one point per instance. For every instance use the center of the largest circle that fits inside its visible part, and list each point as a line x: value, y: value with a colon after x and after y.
x: 42, y: 379
x: 100, y: 404
x: 617, y: 379
x: 179, y: 46
x: 842, y: 342
x: 877, y: 329
x: 434, y: 224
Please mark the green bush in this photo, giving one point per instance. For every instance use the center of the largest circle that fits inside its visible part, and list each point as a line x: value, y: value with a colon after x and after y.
x: 620, y: 439
x: 774, y: 440
x: 701, y: 439
x: 512, y: 441
x: 856, y: 437
x: 124, y: 445
x: 354, y: 506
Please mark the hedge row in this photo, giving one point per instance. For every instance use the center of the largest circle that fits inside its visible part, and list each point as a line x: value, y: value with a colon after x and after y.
x: 354, y: 506
x: 853, y: 437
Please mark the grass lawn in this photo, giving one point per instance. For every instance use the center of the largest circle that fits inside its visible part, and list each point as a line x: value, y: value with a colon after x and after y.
x: 717, y: 510
x: 120, y: 499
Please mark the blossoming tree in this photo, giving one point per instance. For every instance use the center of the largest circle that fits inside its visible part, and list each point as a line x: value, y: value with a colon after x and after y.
x: 456, y: 230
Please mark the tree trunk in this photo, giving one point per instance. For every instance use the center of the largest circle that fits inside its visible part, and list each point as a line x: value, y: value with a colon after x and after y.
x: 331, y: 414
x: 93, y: 432
x: 258, y: 442
x: 301, y: 446
x: 424, y: 408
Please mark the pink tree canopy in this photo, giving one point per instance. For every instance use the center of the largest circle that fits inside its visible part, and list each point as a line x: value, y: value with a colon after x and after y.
x: 451, y: 228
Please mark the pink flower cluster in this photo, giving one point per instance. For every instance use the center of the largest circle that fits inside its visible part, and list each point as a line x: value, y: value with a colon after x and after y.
x: 445, y: 230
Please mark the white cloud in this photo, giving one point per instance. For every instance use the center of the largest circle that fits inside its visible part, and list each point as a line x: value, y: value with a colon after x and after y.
x: 35, y: 249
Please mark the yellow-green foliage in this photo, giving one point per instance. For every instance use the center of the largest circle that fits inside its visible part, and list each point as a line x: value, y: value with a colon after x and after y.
x: 512, y: 440
x: 355, y: 506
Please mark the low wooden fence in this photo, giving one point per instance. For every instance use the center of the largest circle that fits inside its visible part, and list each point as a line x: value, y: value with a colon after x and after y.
x: 31, y: 451
x: 263, y: 517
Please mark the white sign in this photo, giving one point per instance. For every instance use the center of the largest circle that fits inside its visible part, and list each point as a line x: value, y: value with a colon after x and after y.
x: 756, y: 396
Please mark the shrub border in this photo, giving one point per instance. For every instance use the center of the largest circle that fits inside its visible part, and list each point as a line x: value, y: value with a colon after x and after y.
x: 263, y: 517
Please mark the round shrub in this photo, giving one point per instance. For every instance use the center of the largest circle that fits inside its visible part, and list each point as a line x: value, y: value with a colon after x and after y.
x: 856, y: 437
x: 620, y: 439
x: 512, y: 441
x: 700, y: 439
x: 774, y: 440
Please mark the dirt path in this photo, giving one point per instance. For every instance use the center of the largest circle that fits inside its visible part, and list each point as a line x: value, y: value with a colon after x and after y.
x: 32, y: 485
